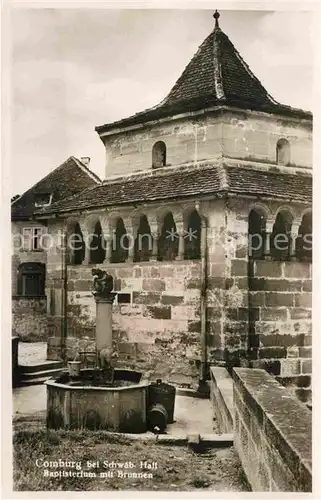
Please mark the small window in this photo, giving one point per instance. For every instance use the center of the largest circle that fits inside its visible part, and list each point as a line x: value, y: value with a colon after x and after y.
x: 283, y: 152
x: 159, y: 155
x: 123, y: 298
x: 31, y: 279
x: 32, y: 238
x: 43, y: 199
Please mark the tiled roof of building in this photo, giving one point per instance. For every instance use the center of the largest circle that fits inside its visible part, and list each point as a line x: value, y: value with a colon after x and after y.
x: 289, y: 187
x: 70, y: 178
x: 216, y: 75
x: 171, y: 184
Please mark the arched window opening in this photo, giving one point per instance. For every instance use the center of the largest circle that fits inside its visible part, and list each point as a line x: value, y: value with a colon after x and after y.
x: 97, y: 246
x: 280, y: 237
x: 283, y: 152
x: 31, y: 279
x: 257, y: 235
x: 192, y: 247
x: 159, y: 154
x: 143, y: 242
x: 303, y: 244
x: 168, y: 241
x: 120, y: 243
x: 77, y: 245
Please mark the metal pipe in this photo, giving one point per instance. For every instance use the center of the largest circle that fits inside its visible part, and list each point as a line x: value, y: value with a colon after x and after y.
x: 203, y: 311
x: 64, y: 295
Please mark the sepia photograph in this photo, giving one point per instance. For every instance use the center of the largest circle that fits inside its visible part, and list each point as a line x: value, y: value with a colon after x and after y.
x: 161, y: 249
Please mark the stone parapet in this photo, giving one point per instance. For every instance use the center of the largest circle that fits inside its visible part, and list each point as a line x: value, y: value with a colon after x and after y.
x: 272, y: 433
x: 221, y: 394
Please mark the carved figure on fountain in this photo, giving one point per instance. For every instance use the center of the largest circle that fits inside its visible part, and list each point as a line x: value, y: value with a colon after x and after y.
x: 103, y: 284
x: 108, y: 358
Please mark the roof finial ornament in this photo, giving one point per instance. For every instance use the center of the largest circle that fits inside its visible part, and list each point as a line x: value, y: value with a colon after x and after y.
x: 216, y: 16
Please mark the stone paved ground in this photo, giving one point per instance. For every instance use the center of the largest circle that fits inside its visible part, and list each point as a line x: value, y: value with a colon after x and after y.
x: 192, y: 415
x: 32, y: 353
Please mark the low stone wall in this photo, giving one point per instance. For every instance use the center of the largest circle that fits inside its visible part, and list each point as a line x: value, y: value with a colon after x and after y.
x: 272, y: 433
x: 221, y: 395
x: 280, y: 326
x: 29, y: 318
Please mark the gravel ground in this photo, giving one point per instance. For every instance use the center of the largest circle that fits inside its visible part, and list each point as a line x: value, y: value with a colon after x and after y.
x: 177, y: 468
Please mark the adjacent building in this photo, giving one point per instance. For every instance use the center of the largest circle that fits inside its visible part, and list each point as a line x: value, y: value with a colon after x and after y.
x: 30, y: 239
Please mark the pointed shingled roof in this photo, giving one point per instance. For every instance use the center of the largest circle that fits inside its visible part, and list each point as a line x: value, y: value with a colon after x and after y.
x: 216, y: 75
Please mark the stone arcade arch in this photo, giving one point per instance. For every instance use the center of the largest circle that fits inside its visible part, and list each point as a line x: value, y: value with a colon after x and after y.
x: 168, y: 241
x: 281, y: 236
x: 120, y: 243
x: 76, y: 245
x: 257, y: 233
x: 192, y: 247
x: 143, y: 241
x: 97, y: 245
x: 31, y: 279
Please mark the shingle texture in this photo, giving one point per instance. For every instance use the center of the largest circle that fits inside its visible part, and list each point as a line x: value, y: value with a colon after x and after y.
x: 289, y: 187
x: 194, y: 181
x: 66, y: 180
x: 216, y: 75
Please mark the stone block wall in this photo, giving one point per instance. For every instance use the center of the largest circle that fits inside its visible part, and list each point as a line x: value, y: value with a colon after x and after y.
x: 227, y: 284
x: 216, y: 282
x: 236, y: 318
x: 253, y: 136
x: 272, y: 433
x: 257, y: 314
x: 280, y: 328
x: 29, y: 319
x: 161, y: 323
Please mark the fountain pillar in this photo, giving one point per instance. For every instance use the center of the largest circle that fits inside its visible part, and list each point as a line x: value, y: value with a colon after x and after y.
x: 102, y: 397
x: 106, y: 356
x: 104, y: 327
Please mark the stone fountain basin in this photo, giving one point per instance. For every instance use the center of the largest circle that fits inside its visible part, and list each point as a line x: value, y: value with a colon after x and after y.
x: 84, y: 404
